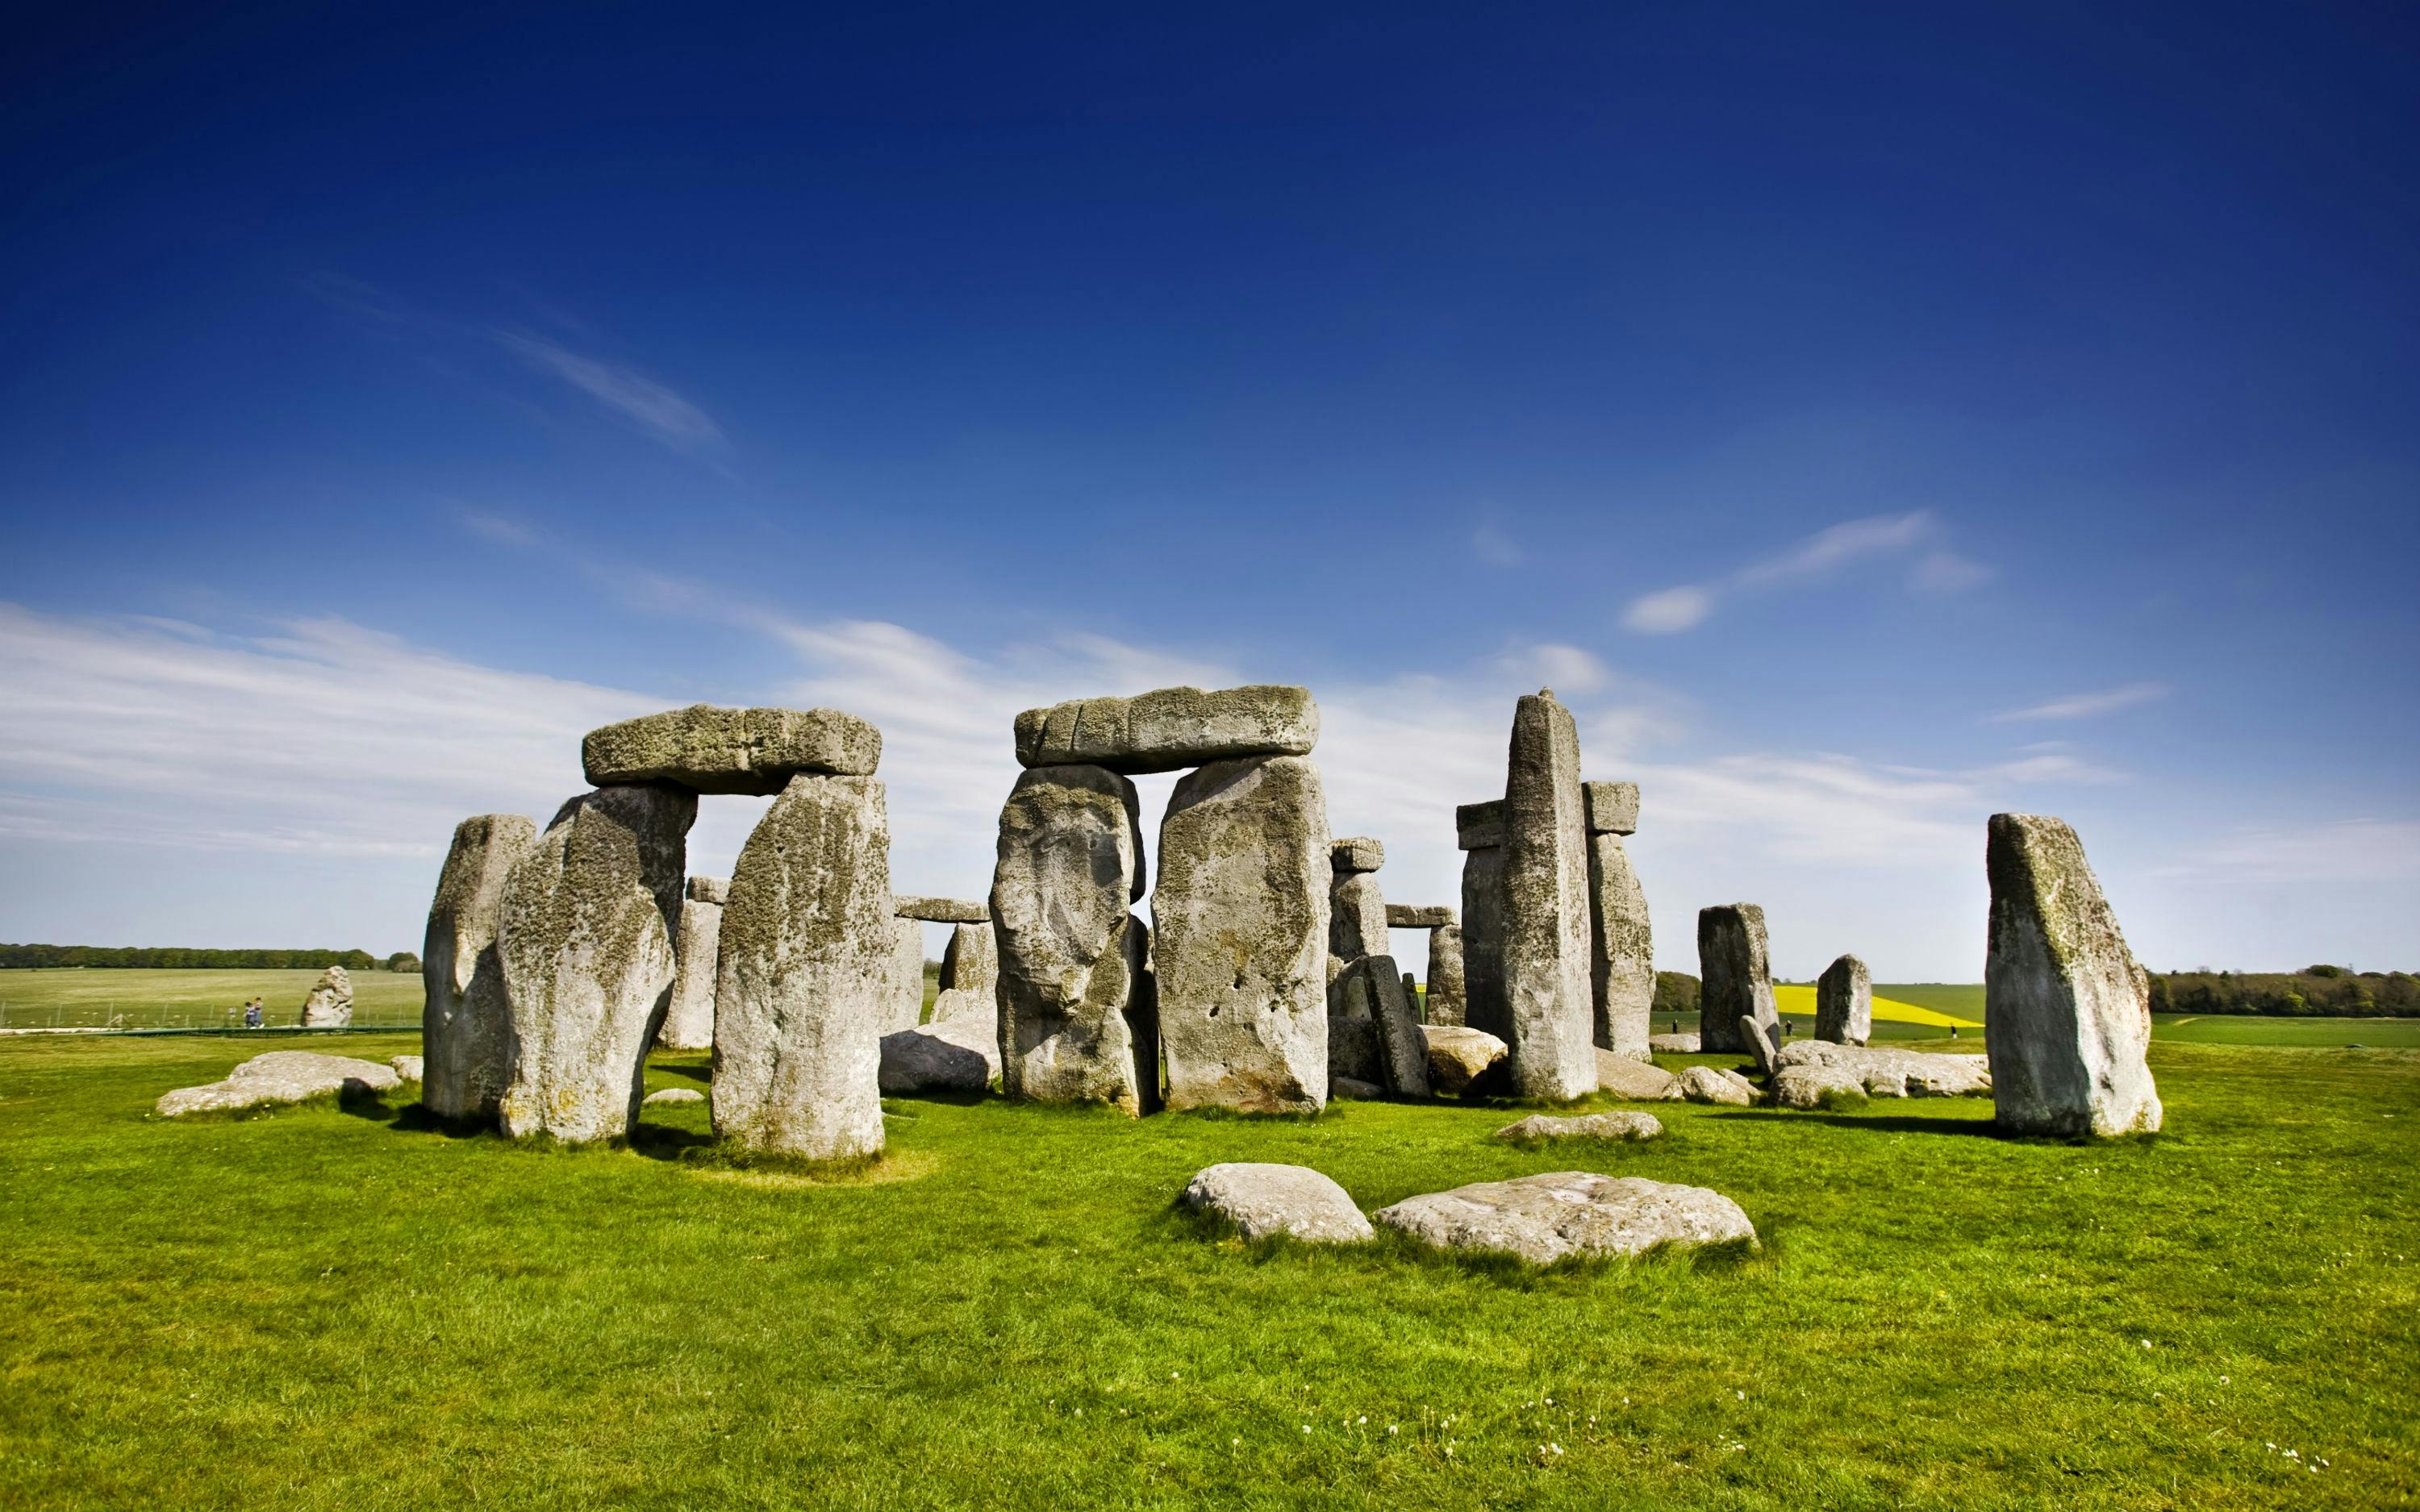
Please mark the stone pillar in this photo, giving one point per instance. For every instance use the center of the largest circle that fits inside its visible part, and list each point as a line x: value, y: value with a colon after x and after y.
x: 1077, y: 1017
x: 465, y: 1023
x: 907, y: 1001
x: 585, y: 940
x: 1357, y: 908
x: 969, y: 976
x: 1479, y: 829
x: 1372, y: 992
x: 2067, y: 1012
x: 1735, y: 977
x: 688, y: 1024
x: 1545, y: 939
x: 1621, y: 957
x: 808, y: 980
x: 1844, y: 1002
x: 329, y: 1005
x: 1445, y: 996
x: 1242, y: 910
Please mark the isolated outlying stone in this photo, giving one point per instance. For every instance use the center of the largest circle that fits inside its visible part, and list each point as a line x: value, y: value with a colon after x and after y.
x: 1264, y: 1201
x: 688, y: 1024
x: 2067, y: 1010
x: 1445, y: 1000
x: 1544, y: 943
x: 1634, y: 1081
x: 1621, y: 944
x: 329, y: 1004
x: 465, y: 1020
x: 710, y: 749
x: 959, y: 1055
x: 1704, y: 1084
x: 279, y: 1076
x: 1170, y: 728
x: 1565, y: 1213
x: 1844, y: 1002
x: 1458, y: 1056
x: 1418, y: 915
x: 1736, y: 976
x: 941, y: 910
x: 1540, y: 1126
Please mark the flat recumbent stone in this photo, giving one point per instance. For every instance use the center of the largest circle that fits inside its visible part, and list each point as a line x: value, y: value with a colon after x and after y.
x: 710, y: 749
x: 1565, y: 1214
x: 1170, y: 728
x: 1263, y: 1201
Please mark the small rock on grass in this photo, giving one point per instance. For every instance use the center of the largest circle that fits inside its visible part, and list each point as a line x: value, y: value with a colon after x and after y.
x: 406, y: 1066
x: 673, y: 1094
x: 1458, y: 1055
x: 1265, y: 1200
x: 1588, y: 1126
x: 1704, y: 1084
x: 1564, y: 1213
x: 1634, y: 1081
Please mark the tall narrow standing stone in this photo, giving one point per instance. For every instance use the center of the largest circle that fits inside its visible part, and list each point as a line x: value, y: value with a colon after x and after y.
x: 2067, y: 1012
x: 1445, y: 993
x: 465, y: 1023
x: 807, y: 984
x: 585, y: 942
x: 688, y: 1024
x: 969, y: 976
x: 1545, y: 943
x: 1844, y: 1002
x: 1621, y: 958
x: 1479, y: 829
x: 1372, y: 992
x: 1242, y: 952
x: 1077, y: 1017
x: 906, y: 975
x: 1735, y: 977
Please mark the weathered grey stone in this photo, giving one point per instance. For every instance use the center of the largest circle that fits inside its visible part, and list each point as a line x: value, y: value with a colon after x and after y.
x: 1170, y: 729
x: 1809, y: 1086
x: 1264, y: 1201
x: 808, y: 979
x: 1077, y: 1017
x: 1761, y: 1046
x: 1354, y: 1089
x: 969, y: 977
x: 465, y: 1021
x: 1704, y: 1084
x: 1371, y: 989
x: 1844, y: 1002
x: 960, y: 1056
x: 1612, y: 808
x: 584, y: 939
x: 1356, y: 853
x: 1878, y: 1070
x: 407, y: 1066
x: 1539, y: 1127
x: 1241, y: 956
x: 1445, y: 1000
x: 1416, y: 916
x: 1479, y: 827
x: 1673, y: 1045
x: 330, y: 1002
x: 688, y: 1024
x: 279, y: 1076
x: 1353, y: 1051
x: 1634, y: 1081
x: 1565, y: 1214
x: 1457, y: 1057
x: 1545, y: 939
x: 1356, y: 917
x: 710, y: 749
x: 942, y: 910
x: 1621, y: 945
x: 1736, y: 978
x: 905, y: 1002
x: 672, y: 1096
x: 1483, y: 942
x: 2066, y: 1012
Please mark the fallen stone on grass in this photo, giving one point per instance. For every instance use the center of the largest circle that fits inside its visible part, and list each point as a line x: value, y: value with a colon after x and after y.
x: 1704, y: 1084
x: 1560, y: 1215
x: 406, y: 1066
x: 959, y: 1055
x: 673, y: 1094
x: 280, y: 1076
x: 1457, y: 1056
x: 1263, y: 1201
x: 1585, y: 1126
x: 1881, y: 1071
x: 1673, y: 1045
x: 1811, y: 1085
x: 1634, y: 1081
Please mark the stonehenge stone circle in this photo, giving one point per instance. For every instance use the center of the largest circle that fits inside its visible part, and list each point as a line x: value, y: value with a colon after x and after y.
x: 1263, y: 1201
x: 808, y: 981
x: 1544, y: 945
x: 1415, y: 916
x: 1844, y: 1002
x: 941, y: 910
x: 585, y: 942
x: 1547, y: 1218
x: 1170, y: 729
x: 2067, y: 1010
x: 1622, y: 954
x: 906, y: 1000
x: 969, y: 976
x: 465, y: 1021
x: 710, y: 749
x: 330, y: 1002
x: 688, y: 1024
x: 1077, y: 1016
x: 1445, y: 993
x: 1479, y: 829
x: 1735, y: 978
x: 1371, y: 989
x: 1357, y: 918
x: 279, y: 1076
x: 1242, y: 910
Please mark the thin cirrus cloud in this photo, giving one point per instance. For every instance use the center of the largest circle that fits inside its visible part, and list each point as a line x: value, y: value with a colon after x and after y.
x: 1939, y: 570
x: 654, y: 409
x: 2085, y: 706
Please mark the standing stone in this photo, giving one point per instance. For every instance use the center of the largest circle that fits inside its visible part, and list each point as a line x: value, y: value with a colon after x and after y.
x: 688, y: 1024
x: 906, y: 1002
x: 329, y: 1003
x: 1844, y: 1002
x: 1480, y: 830
x: 1242, y: 955
x: 465, y: 1023
x: 969, y: 976
x: 1735, y: 977
x: 808, y: 983
x: 1545, y: 942
x: 1445, y: 995
x: 585, y: 941
x: 1371, y: 989
x: 1077, y: 1016
x: 2067, y: 1012
x: 1621, y: 955
x: 1170, y: 729
x: 1357, y: 908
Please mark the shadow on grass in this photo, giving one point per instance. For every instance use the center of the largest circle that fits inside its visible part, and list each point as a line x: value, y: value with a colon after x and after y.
x: 1919, y: 1124
x: 695, y: 1074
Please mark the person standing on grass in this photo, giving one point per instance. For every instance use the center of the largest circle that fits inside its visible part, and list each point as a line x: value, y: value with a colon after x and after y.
x: 252, y: 1014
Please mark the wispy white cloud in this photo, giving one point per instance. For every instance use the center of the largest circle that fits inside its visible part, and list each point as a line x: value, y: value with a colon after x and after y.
x: 2347, y: 850
x: 2085, y: 706
x: 1670, y: 611
x: 1495, y: 548
x: 1839, y: 544
x: 636, y: 398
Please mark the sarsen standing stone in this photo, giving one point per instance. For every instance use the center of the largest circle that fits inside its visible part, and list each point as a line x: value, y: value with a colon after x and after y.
x: 1547, y: 995
x: 688, y: 1024
x: 1735, y: 978
x: 1621, y: 958
x: 465, y: 1023
x: 1844, y: 1003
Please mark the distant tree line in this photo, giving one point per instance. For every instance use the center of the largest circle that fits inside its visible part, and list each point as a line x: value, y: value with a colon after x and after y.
x: 1676, y: 992
x: 2314, y: 992
x: 189, y: 958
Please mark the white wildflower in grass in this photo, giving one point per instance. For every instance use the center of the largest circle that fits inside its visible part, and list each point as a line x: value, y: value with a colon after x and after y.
x: 1741, y: 1395
x: 1363, y: 1418
x: 1079, y: 1412
x: 1233, y: 1442
x: 1390, y: 1427
x: 1306, y: 1428
x: 1557, y: 1448
x: 1550, y: 1401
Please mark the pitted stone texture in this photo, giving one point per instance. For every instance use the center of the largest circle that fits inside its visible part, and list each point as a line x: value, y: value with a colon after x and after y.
x: 1458, y: 1056
x: 279, y: 1076
x: 1078, y: 1019
x: 1634, y: 1081
x: 688, y: 1024
x: 1704, y: 1084
x: 1882, y: 1071
x: 942, y: 910
x: 1353, y: 1051
x: 1445, y: 999
x: 1264, y: 1201
x: 1356, y: 853
x: 1483, y: 942
x: 1807, y: 1087
x: 1844, y: 1002
x: 906, y: 1000
x: 1241, y: 956
x: 1621, y: 948
x: 960, y: 1056
x: 2067, y: 1010
x: 1356, y: 917
x: 1761, y: 1046
x: 808, y: 981
x: 465, y: 1021
x: 710, y: 749
x: 1565, y: 1213
x: 1170, y: 728
x: 1371, y: 989
x: 1539, y: 1127
x: 406, y: 1066
x: 329, y: 1003
x: 1612, y: 808
x: 1545, y: 940
x: 1479, y: 827
x: 969, y: 978
x: 1416, y: 916
x: 1736, y: 976
x: 1673, y: 1045
x: 585, y: 943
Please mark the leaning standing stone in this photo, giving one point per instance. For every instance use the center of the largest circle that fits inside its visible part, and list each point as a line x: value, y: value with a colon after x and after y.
x: 1545, y: 943
x: 807, y: 984
x: 585, y: 941
x: 1736, y: 980
x: 465, y: 1023
x: 690, y: 1023
x: 329, y: 1003
x: 1170, y: 729
x: 1242, y: 955
x: 2067, y: 1012
x: 1621, y: 958
x: 1844, y: 1003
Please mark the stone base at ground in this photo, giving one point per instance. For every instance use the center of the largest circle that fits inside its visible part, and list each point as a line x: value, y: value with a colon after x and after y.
x: 1264, y: 1201
x: 1634, y: 1081
x: 961, y: 1055
x: 1562, y: 1214
x: 279, y: 1076
x: 1587, y: 1126
x: 1457, y: 1056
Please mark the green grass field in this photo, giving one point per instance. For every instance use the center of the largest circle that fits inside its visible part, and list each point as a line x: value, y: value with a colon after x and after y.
x: 331, y: 1307
x: 87, y: 997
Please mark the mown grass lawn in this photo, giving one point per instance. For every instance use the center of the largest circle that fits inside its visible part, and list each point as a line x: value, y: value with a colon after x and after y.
x: 330, y: 1307
x: 142, y: 998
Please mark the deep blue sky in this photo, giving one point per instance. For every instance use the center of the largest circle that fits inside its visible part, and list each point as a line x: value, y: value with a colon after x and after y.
x: 675, y: 352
